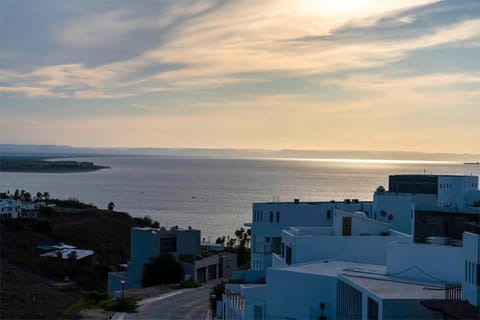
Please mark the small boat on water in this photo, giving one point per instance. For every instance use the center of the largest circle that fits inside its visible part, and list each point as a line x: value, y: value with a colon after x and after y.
x: 472, y: 163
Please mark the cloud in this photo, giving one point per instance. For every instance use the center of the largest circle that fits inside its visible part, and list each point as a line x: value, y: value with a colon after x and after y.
x: 210, y: 43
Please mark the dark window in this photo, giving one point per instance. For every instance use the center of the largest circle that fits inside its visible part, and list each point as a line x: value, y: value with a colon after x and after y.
x: 346, y: 226
x: 372, y: 309
x: 283, y: 249
x: 267, y: 239
x: 288, y: 255
x: 414, y: 184
x: 478, y: 275
x: 271, y: 216
x: 329, y: 214
x: 278, y: 216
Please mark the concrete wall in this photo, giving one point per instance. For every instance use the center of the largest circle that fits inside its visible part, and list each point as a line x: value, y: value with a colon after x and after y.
x: 452, y: 190
x: 425, y: 261
x: 249, y: 276
x: 360, y: 224
x: 228, y: 264
x: 188, y: 241
x: 367, y: 249
x: 471, y: 261
x: 250, y: 295
x: 298, y: 295
x: 144, y: 244
x: 471, y: 197
x: 400, y: 206
x: 312, y: 214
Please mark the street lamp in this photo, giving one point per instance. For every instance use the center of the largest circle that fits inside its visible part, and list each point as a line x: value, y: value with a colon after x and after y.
x: 123, y: 288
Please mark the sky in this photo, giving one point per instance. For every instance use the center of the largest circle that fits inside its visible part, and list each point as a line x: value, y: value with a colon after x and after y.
x: 314, y: 75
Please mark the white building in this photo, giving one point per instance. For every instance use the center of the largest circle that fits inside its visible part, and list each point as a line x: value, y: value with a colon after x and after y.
x: 269, y: 219
x: 471, y: 258
x: 359, y: 260
x: 352, y: 237
x: 10, y: 208
x: 433, y: 198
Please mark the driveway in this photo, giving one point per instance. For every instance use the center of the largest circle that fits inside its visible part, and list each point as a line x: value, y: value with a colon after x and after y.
x: 181, y: 304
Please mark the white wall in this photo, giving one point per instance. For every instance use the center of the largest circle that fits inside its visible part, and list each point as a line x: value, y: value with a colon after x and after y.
x: 360, y: 224
x: 425, y: 261
x: 311, y: 214
x: 471, y: 260
x: 298, y: 295
x: 367, y: 249
x: 399, y: 205
x: 253, y: 295
x: 452, y: 190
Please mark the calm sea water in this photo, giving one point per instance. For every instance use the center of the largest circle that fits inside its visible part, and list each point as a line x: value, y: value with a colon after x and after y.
x: 216, y: 195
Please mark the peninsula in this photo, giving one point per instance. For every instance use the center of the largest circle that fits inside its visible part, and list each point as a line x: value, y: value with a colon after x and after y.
x: 38, y: 164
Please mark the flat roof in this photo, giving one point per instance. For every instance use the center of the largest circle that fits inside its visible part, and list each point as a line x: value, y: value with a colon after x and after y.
x: 80, y: 253
x: 314, y: 202
x: 431, y: 175
x: 332, y: 267
x: 387, y: 287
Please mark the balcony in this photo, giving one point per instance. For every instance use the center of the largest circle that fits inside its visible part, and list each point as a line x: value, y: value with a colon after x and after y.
x: 263, y: 248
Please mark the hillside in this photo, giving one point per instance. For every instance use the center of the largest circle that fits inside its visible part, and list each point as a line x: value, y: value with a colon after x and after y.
x: 27, y: 279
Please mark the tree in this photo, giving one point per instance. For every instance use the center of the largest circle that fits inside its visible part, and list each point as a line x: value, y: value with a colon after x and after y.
x: 163, y: 269
x: 111, y: 206
x: 46, y: 196
x: 216, y: 294
x: 27, y: 196
x: 155, y: 224
x: 39, y: 196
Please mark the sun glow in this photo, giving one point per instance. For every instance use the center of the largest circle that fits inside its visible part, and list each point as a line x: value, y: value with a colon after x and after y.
x: 337, y: 5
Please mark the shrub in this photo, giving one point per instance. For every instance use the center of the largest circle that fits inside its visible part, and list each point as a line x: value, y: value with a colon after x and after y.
x: 216, y: 295
x: 190, y: 284
x: 163, y: 269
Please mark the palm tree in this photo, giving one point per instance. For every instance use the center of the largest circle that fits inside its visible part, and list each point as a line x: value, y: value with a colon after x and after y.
x: 27, y: 197
x: 39, y: 196
x: 111, y: 206
x: 46, y: 196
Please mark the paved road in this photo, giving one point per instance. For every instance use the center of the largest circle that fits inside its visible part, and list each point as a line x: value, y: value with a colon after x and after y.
x: 186, y: 304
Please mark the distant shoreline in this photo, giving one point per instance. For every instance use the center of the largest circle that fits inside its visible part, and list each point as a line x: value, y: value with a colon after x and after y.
x: 42, y: 165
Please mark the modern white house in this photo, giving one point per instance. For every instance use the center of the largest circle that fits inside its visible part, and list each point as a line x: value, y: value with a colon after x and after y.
x: 14, y: 209
x: 270, y: 219
x: 353, y: 237
x: 10, y: 208
x: 417, y: 201
x: 407, y: 255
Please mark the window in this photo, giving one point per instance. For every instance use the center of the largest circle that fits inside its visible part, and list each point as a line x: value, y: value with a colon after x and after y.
x: 288, y: 255
x: 283, y: 249
x: 478, y: 275
x: 329, y: 214
x: 372, y: 309
x: 278, y: 216
x: 271, y: 216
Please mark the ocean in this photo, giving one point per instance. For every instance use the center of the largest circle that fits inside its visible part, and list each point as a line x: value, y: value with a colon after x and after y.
x: 216, y: 195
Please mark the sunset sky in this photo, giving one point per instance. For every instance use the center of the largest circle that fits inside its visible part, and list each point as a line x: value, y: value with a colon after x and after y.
x: 332, y: 75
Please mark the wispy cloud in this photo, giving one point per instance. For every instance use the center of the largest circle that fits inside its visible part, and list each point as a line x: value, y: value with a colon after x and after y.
x: 211, y: 45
